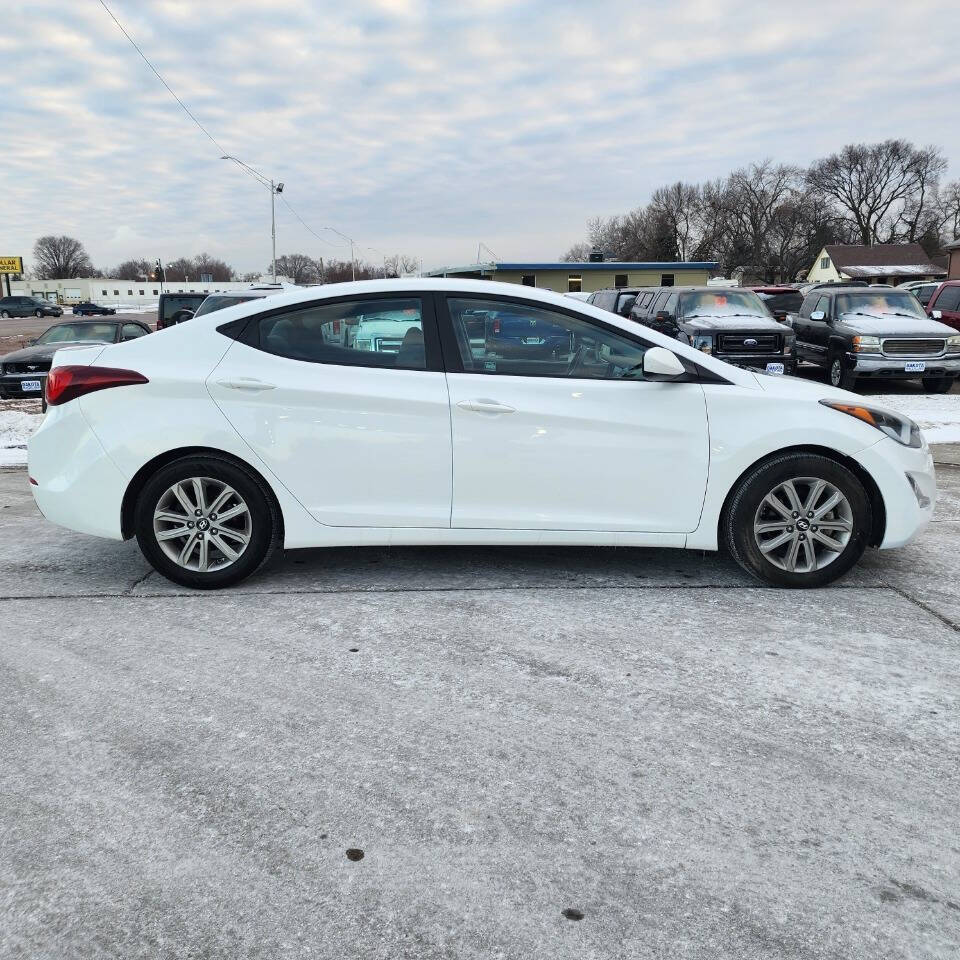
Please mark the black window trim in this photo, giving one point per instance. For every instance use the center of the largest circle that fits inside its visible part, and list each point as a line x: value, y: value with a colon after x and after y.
x: 246, y: 330
x: 454, y: 362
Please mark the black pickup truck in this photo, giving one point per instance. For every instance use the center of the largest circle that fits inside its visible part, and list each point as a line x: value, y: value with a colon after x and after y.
x: 877, y: 334
x: 732, y: 324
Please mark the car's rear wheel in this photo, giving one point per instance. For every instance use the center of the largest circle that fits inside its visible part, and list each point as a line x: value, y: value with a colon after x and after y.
x: 5, y: 314
x: 937, y: 384
x: 799, y: 520
x: 205, y: 522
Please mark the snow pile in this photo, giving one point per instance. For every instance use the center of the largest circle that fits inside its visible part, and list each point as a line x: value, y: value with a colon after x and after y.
x: 937, y: 415
x: 15, y: 429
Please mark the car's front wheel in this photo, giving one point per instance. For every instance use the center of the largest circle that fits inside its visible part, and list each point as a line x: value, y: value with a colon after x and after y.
x: 937, y: 384
x: 206, y: 522
x: 840, y: 376
x: 798, y: 520
x: 38, y: 313
x: 5, y: 314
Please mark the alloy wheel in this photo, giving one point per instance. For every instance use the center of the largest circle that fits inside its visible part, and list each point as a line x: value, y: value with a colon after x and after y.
x: 202, y: 524
x: 836, y: 372
x: 803, y: 524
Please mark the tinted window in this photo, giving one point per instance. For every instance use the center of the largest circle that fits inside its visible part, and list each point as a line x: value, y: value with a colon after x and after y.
x: 171, y: 304
x: 67, y: 332
x: 878, y: 302
x: 624, y: 302
x: 212, y: 304
x: 131, y: 331
x: 949, y: 299
x: 365, y: 333
x: 782, y: 301
x: 502, y: 337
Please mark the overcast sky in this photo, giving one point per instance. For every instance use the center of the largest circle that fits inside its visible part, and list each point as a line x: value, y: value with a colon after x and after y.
x: 427, y: 127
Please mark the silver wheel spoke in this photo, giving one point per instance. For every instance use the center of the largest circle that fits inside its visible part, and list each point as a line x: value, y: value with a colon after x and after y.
x: 789, y: 528
x: 769, y: 545
x: 183, y: 524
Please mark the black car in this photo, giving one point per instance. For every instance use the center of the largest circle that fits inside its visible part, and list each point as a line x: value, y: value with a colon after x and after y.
x: 877, y: 334
x: 28, y: 307
x: 24, y: 372
x: 732, y: 324
x: 619, y: 300
x: 88, y: 309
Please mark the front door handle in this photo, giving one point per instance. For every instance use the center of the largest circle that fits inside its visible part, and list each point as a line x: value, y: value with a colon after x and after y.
x: 246, y: 383
x: 485, y: 406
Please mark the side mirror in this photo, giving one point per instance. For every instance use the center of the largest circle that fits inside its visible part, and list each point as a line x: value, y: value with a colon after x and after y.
x: 31, y: 343
x: 818, y: 315
x: 936, y: 314
x: 661, y: 364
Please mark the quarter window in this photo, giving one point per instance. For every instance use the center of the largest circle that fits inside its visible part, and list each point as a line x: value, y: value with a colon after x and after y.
x: 360, y: 333
x: 504, y: 337
x: 131, y: 331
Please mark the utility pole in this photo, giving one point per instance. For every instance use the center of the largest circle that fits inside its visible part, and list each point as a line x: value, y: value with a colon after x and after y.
x: 273, y: 226
x: 353, y: 263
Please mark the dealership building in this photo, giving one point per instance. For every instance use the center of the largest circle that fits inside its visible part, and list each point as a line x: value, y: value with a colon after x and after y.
x: 585, y: 277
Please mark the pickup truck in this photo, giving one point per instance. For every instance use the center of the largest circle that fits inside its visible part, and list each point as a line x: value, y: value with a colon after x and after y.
x: 877, y: 334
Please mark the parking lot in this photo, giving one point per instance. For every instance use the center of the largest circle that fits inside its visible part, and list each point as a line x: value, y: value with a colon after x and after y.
x: 699, y: 766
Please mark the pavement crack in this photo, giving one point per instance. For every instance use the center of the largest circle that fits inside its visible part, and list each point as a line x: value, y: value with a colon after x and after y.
x: 145, y: 577
x: 946, y: 621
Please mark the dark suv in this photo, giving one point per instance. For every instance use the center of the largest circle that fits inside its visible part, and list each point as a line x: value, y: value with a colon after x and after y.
x: 880, y: 334
x: 619, y: 300
x: 944, y: 303
x: 732, y: 324
x: 28, y: 307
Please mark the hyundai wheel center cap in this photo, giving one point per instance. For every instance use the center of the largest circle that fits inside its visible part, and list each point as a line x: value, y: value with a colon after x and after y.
x: 801, y: 524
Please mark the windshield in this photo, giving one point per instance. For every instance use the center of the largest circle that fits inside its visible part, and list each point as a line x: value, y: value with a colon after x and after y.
x: 878, y: 302
x: 69, y: 332
x: 728, y: 303
x: 212, y: 304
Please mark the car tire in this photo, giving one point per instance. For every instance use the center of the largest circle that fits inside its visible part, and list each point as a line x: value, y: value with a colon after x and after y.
x: 252, y: 532
x: 937, y: 384
x: 5, y: 314
x: 38, y: 313
x: 43, y: 403
x: 839, y: 375
x: 751, y: 524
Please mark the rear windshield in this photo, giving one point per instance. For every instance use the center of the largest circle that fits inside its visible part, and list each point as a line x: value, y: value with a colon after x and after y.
x: 728, y: 303
x: 212, y: 304
x: 171, y: 304
x: 69, y: 332
x: 878, y: 302
x: 782, y: 301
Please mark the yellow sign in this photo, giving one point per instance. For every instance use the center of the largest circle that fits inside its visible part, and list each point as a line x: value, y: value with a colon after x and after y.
x: 11, y: 264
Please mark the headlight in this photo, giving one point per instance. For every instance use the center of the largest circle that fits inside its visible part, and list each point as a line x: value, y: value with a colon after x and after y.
x: 703, y: 344
x: 364, y: 344
x: 901, y: 429
x: 788, y: 345
x: 866, y: 344
x: 953, y: 344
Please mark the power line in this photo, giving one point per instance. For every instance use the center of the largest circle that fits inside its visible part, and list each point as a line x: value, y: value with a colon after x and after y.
x: 213, y: 139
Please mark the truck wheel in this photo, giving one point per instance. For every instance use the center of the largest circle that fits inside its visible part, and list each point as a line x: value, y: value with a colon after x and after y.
x: 840, y: 376
x: 937, y: 384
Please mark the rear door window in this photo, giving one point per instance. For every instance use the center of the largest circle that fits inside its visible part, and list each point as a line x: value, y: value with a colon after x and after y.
x: 949, y: 299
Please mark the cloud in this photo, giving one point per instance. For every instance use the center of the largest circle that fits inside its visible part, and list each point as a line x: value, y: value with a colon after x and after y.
x: 426, y: 126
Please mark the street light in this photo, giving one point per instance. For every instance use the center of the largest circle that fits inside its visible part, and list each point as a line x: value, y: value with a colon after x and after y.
x: 274, y: 189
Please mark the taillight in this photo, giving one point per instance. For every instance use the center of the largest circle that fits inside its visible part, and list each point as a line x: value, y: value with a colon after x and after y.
x: 496, y: 325
x: 68, y: 383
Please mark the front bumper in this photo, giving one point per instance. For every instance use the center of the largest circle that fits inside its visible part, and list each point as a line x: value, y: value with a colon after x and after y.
x: 894, y: 368
x: 758, y: 362
x: 897, y: 470
x: 11, y: 385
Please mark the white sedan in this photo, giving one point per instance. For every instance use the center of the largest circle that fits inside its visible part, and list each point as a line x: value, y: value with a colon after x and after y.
x: 501, y: 415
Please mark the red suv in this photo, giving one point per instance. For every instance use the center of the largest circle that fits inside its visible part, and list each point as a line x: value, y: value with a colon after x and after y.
x: 946, y: 301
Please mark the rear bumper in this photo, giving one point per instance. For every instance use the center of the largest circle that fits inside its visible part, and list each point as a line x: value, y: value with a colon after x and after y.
x: 77, y: 484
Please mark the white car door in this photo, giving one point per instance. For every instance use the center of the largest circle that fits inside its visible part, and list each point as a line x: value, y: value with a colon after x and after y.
x: 359, y: 433
x: 555, y: 429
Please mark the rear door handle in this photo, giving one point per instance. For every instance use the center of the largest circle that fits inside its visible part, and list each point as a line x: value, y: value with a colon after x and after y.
x: 246, y: 383
x: 485, y: 406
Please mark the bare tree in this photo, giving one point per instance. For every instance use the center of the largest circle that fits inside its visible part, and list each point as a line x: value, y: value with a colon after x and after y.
x: 298, y: 267
x: 876, y: 186
x: 60, y: 258
x: 132, y: 270
x: 578, y: 253
x: 180, y: 269
x: 949, y: 210
x: 675, y: 210
x: 218, y: 270
x: 401, y: 265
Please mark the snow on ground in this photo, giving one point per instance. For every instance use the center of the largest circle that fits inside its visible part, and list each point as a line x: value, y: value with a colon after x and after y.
x: 938, y: 416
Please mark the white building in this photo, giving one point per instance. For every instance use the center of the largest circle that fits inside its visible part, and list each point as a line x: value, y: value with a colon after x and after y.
x: 127, y: 293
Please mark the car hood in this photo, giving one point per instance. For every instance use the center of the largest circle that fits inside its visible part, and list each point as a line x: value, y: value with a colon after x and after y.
x: 797, y: 389
x: 45, y: 351
x: 893, y: 325
x: 725, y: 324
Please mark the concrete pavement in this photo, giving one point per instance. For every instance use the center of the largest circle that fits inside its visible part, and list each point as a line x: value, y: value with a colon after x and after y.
x: 701, y: 766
